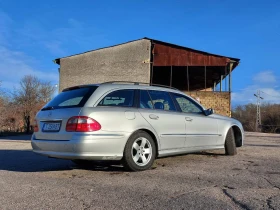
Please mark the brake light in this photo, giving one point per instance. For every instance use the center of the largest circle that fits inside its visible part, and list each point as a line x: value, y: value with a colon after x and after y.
x: 35, y: 128
x: 82, y: 124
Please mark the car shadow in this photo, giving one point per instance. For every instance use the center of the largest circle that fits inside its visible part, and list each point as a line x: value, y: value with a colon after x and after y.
x: 262, y: 145
x: 19, y: 137
x: 28, y: 161
x: 206, y: 153
x: 276, y: 136
x: 203, y: 153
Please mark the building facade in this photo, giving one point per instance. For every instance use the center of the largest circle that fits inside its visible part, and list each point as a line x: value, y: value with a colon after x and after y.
x: 204, y: 76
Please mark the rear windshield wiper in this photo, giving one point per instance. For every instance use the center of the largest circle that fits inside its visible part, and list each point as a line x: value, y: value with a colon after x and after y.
x: 47, y: 108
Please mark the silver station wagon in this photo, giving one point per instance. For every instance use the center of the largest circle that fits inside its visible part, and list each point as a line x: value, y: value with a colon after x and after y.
x: 130, y: 122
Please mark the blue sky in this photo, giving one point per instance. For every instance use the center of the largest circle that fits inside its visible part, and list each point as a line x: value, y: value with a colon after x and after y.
x: 33, y: 33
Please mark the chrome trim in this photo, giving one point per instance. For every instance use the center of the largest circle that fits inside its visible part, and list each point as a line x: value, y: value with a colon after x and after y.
x: 205, y: 134
x: 191, y: 134
x: 83, y: 134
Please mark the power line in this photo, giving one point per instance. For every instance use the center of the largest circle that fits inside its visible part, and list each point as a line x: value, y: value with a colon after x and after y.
x: 270, y: 95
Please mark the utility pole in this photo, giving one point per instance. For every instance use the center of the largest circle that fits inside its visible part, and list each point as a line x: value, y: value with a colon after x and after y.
x: 258, y: 117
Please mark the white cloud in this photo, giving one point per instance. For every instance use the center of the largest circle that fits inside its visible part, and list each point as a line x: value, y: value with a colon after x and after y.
x: 57, y: 40
x: 265, y: 77
x: 269, y: 94
x: 266, y: 82
x: 14, y: 65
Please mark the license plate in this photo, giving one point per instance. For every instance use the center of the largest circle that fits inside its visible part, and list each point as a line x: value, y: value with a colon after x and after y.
x: 51, y: 127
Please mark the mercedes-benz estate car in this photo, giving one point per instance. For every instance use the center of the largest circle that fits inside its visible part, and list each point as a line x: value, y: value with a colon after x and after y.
x: 130, y: 122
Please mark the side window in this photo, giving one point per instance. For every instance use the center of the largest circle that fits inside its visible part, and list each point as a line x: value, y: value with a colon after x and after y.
x: 122, y: 98
x: 145, y: 100
x: 162, y: 100
x: 187, y: 105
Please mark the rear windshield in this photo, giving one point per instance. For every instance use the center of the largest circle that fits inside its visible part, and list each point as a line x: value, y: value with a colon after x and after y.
x: 73, y: 97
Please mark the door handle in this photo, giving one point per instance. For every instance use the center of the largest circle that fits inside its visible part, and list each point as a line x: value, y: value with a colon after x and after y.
x: 188, y: 119
x: 153, y: 117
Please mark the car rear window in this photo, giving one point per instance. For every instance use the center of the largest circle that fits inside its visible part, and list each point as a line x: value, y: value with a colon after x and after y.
x: 120, y: 98
x: 72, y: 97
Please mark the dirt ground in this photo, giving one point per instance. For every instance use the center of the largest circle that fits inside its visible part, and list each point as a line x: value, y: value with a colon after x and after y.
x: 208, y: 180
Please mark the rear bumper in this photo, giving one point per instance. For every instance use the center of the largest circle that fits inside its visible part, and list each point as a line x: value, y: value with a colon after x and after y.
x: 83, y: 146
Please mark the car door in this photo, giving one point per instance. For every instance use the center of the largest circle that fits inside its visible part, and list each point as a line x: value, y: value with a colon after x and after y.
x: 201, y: 130
x: 158, y: 109
x: 116, y: 112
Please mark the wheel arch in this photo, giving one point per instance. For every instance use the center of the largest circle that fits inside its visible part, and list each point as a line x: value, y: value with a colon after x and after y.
x: 152, y: 134
x: 238, y: 135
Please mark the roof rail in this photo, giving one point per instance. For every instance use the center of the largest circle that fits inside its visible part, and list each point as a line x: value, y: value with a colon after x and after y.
x: 126, y: 82
x: 165, y: 86
x: 139, y: 83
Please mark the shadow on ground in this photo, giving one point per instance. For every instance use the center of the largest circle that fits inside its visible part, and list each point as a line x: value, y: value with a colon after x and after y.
x: 28, y: 161
x: 276, y: 136
x: 20, y: 137
x: 262, y: 145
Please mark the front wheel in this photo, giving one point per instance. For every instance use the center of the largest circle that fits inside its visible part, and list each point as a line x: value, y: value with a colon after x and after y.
x: 230, y: 145
x: 139, y: 152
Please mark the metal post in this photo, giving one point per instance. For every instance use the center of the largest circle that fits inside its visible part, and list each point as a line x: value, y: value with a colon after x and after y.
x: 188, y: 78
x: 258, y: 117
x: 214, y: 88
x: 205, y: 78
x: 229, y: 76
x: 151, y: 63
x: 221, y: 83
x: 171, y: 77
x: 224, y: 77
x: 152, y: 73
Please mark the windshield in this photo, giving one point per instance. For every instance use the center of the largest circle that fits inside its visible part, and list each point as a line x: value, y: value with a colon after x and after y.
x: 72, y: 97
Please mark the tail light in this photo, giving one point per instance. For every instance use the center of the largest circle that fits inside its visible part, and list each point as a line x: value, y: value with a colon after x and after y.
x: 35, y: 128
x: 82, y: 124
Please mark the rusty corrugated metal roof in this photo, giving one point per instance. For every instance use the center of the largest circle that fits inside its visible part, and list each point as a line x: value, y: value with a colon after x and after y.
x: 193, y: 57
x: 172, y: 56
x: 189, y: 49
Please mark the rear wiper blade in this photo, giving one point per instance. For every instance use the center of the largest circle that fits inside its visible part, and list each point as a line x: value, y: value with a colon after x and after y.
x: 47, y: 108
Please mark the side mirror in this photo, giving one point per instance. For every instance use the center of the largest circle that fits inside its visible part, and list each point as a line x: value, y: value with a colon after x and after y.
x: 209, y: 111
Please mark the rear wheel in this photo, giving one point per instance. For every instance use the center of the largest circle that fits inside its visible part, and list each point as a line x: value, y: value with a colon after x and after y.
x: 230, y: 146
x: 139, y: 152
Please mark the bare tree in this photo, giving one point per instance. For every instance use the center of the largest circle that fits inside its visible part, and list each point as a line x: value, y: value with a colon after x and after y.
x: 7, y: 120
x: 2, y: 106
x: 46, y: 91
x: 246, y: 114
x: 31, y: 96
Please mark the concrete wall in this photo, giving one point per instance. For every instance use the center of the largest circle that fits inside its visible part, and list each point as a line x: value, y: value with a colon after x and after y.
x: 125, y: 62
x: 219, y: 101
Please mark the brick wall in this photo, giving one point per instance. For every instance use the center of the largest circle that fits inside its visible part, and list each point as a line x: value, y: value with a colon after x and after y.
x: 219, y: 101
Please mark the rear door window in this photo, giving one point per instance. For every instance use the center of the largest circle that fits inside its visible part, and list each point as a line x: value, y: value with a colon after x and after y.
x: 119, y: 98
x: 162, y: 100
x: 145, y: 100
x: 72, y: 97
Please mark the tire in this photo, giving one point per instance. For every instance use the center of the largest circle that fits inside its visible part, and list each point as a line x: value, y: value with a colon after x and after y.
x: 139, y: 152
x: 230, y: 146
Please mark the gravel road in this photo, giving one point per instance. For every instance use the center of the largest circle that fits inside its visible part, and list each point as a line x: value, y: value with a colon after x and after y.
x: 208, y: 180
